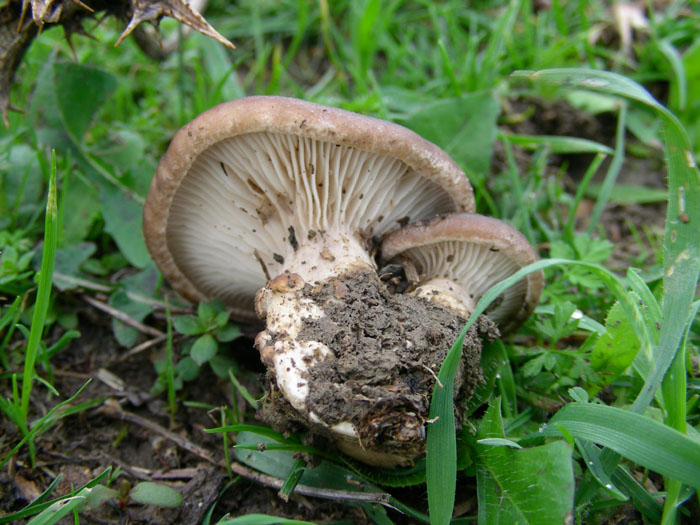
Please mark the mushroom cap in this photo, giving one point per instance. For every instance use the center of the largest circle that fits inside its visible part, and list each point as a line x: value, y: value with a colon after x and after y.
x: 247, y: 181
x: 475, y: 252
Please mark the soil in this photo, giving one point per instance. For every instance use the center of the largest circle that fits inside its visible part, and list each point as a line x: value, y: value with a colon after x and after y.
x: 387, y: 350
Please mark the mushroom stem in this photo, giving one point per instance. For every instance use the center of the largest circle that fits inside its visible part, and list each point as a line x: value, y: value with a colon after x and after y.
x: 448, y: 293
x: 285, y: 305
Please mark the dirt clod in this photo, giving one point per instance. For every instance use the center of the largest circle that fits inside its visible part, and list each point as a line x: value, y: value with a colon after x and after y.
x: 386, y: 351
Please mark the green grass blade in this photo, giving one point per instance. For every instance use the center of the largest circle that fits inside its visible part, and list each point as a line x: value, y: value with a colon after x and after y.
x: 613, y: 170
x: 441, y: 446
x: 255, y: 429
x: 43, y: 294
x: 260, y: 519
x: 558, y: 144
x: 636, y: 437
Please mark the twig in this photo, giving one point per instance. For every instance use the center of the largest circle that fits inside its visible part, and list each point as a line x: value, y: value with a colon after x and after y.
x: 112, y: 409
x: 124, y: 318
x: 140, y: 348
x: 437, y: 380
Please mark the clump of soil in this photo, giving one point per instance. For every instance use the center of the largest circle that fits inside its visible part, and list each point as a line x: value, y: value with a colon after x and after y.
x: 387, y: 349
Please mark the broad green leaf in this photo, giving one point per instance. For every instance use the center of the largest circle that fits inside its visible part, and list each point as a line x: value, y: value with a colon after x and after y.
x: 98, y: 495
x: 144, y: 284
x: 638, y: 438
x: 123, y: 217
x: 188, y: 325
x: 453, y: 123
x: 203, y: 349
x: 615, y: 349
x: 533, y: 485
x: 150, y: 493
x: 124, y: 150
x: 21, y: 187
x: 80, y: 93
x: 228, y: 333
x: 278, y: 463
x: 80, y: 208
x: 187, y: 369
x: 68, y: 261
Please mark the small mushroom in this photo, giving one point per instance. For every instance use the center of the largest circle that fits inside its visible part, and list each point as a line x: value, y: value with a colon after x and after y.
x: 460, y: 256
x: 268, y: 202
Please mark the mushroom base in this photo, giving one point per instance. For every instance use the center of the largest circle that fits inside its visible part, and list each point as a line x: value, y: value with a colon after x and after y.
x: 385, y: 352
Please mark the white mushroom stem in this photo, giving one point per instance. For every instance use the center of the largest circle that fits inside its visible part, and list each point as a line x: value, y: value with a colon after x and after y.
x: 285, y: 307
x: 447, y: 293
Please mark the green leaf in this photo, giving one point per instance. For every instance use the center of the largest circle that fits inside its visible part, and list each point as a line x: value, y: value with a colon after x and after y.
x: 452, y: 123
x: 187, y: 369
x: 80, y: 208
x: 278, y: 463
x: 533, y: 485
x: 615, y: 349
x: 558, y: 144
x: 150, y: 493
x: 206, y: 313
x: 127, y: 335
x: 123, y: 217
x: 43, y: 295
x: 80, y: 93
x: 498, y: 442
x: 68, y: 261
x: 98, y: 495
x: 636, y: 437
x: 441, y: 447
x: 204, y: 349
x: 188, y: 325
x: 228, y: 333
x: 260, y: 519
x: 58, y: 510
x: 629, y: 194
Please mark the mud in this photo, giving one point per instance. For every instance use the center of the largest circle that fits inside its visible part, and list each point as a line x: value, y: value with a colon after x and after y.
x: 387, y: 350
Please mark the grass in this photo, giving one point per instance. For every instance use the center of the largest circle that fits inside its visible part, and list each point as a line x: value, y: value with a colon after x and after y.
x: 591, y: 408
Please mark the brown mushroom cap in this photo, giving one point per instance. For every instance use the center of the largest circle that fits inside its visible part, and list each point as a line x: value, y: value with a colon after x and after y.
x: 244, y: 182
x: 473, y: 252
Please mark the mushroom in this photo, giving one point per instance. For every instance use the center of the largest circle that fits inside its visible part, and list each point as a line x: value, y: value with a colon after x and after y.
x: 460, y: 256
x: 272, y: 205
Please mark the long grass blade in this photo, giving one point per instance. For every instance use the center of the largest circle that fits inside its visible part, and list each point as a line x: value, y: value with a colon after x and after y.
x: 43, y: 294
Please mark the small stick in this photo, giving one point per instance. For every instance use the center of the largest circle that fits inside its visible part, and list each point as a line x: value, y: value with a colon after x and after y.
x: 140, y: 348
x: 432, y: 372
x: 124, y: 318
x: 112, y: 409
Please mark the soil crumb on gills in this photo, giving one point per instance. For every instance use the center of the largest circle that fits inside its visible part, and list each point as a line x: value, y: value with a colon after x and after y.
x: 386, y: 351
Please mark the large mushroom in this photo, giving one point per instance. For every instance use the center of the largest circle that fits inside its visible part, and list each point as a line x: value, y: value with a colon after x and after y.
x: 272, y: 205
x: 459, y: 256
